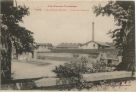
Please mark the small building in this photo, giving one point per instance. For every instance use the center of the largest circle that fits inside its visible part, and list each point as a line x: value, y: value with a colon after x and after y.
x: 94, y: 45
x: 43, y: 47
x: 110, y: 56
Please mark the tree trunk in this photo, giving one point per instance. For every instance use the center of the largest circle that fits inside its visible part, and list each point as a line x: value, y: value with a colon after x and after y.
x: 128, y: 60
x: 0, y: 45
x: 5, y: 45
x: 6, y: 57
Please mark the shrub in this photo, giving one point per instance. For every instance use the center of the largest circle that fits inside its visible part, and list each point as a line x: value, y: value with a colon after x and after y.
x: 71, y: 73
x: 99, y: 67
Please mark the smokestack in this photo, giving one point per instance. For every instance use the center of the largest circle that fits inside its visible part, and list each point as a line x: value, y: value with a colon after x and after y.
x: 92, y: 31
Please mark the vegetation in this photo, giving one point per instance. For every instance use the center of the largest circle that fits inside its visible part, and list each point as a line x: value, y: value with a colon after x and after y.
x: 70, y: 74
x: 13, y: 36
x: 124, y: 37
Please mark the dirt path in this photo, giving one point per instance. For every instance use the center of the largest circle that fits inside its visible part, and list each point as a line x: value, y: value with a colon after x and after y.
x: 23, y: 70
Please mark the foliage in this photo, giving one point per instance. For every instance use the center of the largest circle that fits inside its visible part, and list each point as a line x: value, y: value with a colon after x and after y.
x: 13, y: 36
x: 124, y: 35
x: 20, y: 37
x: 99, y: 67
x: 71, y: 73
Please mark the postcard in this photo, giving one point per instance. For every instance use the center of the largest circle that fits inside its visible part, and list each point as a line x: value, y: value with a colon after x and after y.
x: 67, y: 45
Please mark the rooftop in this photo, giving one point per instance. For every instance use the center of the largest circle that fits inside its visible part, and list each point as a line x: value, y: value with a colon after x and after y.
x: 100, y: 43
x: 68, y: 45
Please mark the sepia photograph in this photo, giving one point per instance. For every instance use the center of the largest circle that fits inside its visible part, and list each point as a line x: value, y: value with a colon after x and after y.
x: 67, y: 45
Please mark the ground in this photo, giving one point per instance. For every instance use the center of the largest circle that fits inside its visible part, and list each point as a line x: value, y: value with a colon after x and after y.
x: 34, y: 69
x: 43, y: 68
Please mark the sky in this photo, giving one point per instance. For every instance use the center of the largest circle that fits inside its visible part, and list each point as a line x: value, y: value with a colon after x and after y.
x: 65, y: 21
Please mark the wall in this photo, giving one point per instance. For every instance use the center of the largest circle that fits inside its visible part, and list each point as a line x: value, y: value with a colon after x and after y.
x: 91, y: 45
x: 25, y: 56
x: 42, y: 49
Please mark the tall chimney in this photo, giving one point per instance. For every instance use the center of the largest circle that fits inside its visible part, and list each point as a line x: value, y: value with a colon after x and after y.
x: 92, y: 31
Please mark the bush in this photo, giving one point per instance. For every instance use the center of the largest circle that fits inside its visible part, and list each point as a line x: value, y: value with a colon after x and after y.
x: 99, y: 67
x: 71, y: 73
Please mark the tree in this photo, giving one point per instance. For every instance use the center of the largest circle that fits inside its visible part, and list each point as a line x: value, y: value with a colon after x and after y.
x: 13, y: 35
x: 124, y: 37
